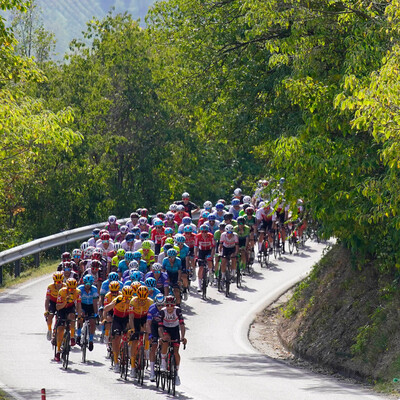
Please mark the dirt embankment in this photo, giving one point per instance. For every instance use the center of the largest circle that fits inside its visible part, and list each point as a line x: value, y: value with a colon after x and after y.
x: 341, y: 318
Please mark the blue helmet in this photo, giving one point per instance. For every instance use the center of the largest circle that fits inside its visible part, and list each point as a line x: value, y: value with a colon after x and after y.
x: 144, y: 235
x: 129, y: 256
x: 186, y: 220
x: 137, y: 255
x: 135, y: 276
x: 113, y: 276
x: 212, y: 217
x: 159, y: 299
x: 88, y: 280
x: 235, y: 202
x: 219, y: 206
x: 130, y: 237
x: 188, y: 228
x: 150, y: 282
x: 180, y: 238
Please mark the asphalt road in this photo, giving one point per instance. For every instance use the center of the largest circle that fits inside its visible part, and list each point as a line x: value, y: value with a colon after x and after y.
x: 218, y: 363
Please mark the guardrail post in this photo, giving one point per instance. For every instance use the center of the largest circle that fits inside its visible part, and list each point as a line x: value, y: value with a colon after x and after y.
x: 37, y: 260
x: 1, y: 275
x: 17, y: 268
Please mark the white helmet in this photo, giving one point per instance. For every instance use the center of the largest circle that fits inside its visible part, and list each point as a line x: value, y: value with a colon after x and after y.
x: 247, y: 199
x: 207, y: 204
x: 84, y: 246
x: 185, y: 195
x: 229, y: 228
x: 237, y: 192
x: 173, y: 207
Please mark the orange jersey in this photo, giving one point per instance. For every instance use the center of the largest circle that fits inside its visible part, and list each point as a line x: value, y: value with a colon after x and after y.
x: 139, y: 308
x: 121, y: 307
x: 70, y: 297
x: 109, y: 297
x: 52, y: 292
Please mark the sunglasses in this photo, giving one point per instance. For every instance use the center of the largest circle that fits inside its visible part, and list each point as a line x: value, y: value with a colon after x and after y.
x: 169, y: 305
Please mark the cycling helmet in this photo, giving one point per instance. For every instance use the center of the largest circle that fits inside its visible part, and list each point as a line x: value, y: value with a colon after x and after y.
x: 241, y: 220
x: 137, y: 255
x: 222, y: 201
x: 247, y: 199
x: 222, y: 225
x: 142, y: 221
x: 180, y: 208
x: 282, y: 181
x: 261, y: 204
x: 95, y: 264
x: 180, y: 238
x: 211, y: 217
x: 186, y: 220
x: 135, y: 276
x: 58, y: 277
x: 67, y: 266
x: 235, y: 202
x: 88, y: 280
x: 170, y: 300
x: 84, y: 246
x: 127, y: 292
x: 159, y: 299
x: 133, y: 265
x: 144, y: 235
x: 130, y: 237
x: 87, y: 253
x: 170, y: 215
x: 167, y: 246
x: 135, y: 286
x: 123, y: 229
x: 156, y: 267
x: 134, y: 215
x: 96, y: 232
x: 229, y: 228
x: 250, y: 210
x: 205, y: 214
x: 113, y: 276
x: 169, y: 240
x: 97, y: 254
x: 117, y: 246
x: 150, y: 282
x: 185, y: 195
x: 158, y: 222
x: 144, y: 212
x: 121, y: 253
x: 129, y: 256
x: 207, y: 204
x: 237, y: 192
x: 142, y: 292
x: 66, y: 256
x: 188, y: 228
x: 72, y: 283
x: 135, y: 230
x: 219, y: 206
x: 112, y: 219
x: 105, y: 236
x: 204, y: 227
x: 114, y: 286
x: 173, y: 207
x: 172, y: 253
x: 76, y: 253
x: 169, y: 231
x: 146, y: 245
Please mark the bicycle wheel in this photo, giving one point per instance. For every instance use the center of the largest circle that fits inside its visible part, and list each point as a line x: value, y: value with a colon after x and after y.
x: 124, y: 361
x: 66, y: 343
x: 227, y: 279
x: 173, y: 374
x: 163, y: 380
x: 169, y: 371
x: 204, y: 283
x: 157, y: 364
x: 85, y: 340
x: 238, y: 274
x: 140, y: 365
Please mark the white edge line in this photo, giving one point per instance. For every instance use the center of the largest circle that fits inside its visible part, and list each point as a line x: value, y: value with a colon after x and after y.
x: 12, y: 392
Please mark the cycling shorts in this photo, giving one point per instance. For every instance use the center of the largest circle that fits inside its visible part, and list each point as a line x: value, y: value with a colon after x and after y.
x: 52, y: 307
x: 280, y: 217
x: 191, y: 252
x: 174, y: 333
x: 138, y: 324
x: 204, y: 254
x: 265, y: 226
x: 228, y: 251
x: 64, y: 312
x: 119, y: 325
x: 242, y: 242
x: 88, y: 309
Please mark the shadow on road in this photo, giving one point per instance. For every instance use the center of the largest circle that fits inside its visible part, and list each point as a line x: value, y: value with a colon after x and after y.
x: 13, y: 298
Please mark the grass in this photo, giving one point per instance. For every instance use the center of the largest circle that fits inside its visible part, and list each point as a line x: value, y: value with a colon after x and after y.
x: 4, y: 396
x: 46, y: 267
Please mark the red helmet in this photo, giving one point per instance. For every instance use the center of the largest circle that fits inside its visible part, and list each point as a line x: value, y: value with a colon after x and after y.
x: 144, y: 212
x: 105, y: 236
x: 65, y: 256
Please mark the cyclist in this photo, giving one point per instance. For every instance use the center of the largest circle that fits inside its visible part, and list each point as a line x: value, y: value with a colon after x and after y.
x: 187, y: 221
x: 134, y: 220
x: 51, y: 300
x: 228, y: 249
x: 123, y: 265
x: 142, y: 264
x: 204, y: 249
x: 95, y: 270
x: 161, y: 277
x: 120, y: 237
x: 138, y: 309
x: 93, y: 240
x: 171, y: 326
x: 189, y: 241
x: 169, y: 233
x: 68, y: 272
x: 157, y: 233
x: 89, y: 300
x: 169, y: 221
x: 153, y: 319
x: 203, y: 218
x: 212, y: 223
x: 120, y: 305
x: 143, y: 225
x: 265, y: 217
x: 251, y: 221
x: 114, y: 292
x: 142, y: 238
x: 217, y: 238
x: 235, y: 208
x: 112, y: 226
x: 281, y: 216
x: 68, y: 302
x: 219, y: 212
x: 151, y: 284
x: 129, y: 243
x: 243, y: 232
x: 172, y: 265
x: 188, y: 205
x: 180, y: 214
x: 184, y: 256
x: 147, y: 253
x: 117, y: 258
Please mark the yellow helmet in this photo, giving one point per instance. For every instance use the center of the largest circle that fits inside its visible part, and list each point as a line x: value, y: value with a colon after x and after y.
x: 142, y: 292
x: 72, y: 283
x: 127, y: 292
x: 114, y: 286
x: 58, y: 277
x: 135, y: 286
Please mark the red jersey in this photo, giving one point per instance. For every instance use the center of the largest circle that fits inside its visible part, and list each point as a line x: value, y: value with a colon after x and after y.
x: 206, y: 242
x: 179, y: 216
x: 190, y: 239
x: 157, y: 235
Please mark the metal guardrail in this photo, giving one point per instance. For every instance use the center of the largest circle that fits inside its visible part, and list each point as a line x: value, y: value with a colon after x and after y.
x: 36, y: 246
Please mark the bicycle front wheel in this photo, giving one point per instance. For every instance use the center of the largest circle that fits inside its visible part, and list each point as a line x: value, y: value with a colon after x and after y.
x: 124, y: 361
x: 238, y: 274
x: 140, y: 366
x: 227, y: 280
x: 66, y: 348
x: 85, y: 340
x: 204, y: 283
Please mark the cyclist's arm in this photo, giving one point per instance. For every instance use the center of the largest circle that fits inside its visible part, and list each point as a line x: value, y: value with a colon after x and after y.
x: 96, y: 305
x: 109, y: 307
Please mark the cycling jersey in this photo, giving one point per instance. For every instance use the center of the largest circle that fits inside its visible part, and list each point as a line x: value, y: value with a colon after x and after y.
x: 52, y: 291
x: 153, y: 314
x: 109, y: 297
x: 121, y: 306
x: 128, y: 246
x: 162, y: 279
x: 168, y: 223
x: 171, y: 320
x: 229, y: 242
x: 139, y: 308
x: 244, y: 233
x: 179, y: 216
x: 122, y: 266
x: 174, y: 268
x: 105, y: 287
x: 70, y: 297
x: 219, y: 215
x: 184, y: 251
x: 87, y: 298
x: 148, y: 256
x: 235, y: 212
x: 113, y: 230
x: 190, y: 239
x: 157, y: 235
x: 204, y: 242
x: 153, y: 293
x: 212, y: 228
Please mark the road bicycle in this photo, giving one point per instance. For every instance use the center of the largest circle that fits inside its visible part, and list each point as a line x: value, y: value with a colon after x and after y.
x: 168, y: 377
x: 140, y: 362
x: 124, y: 356
x: 85, y: 334
x: 65, y: 342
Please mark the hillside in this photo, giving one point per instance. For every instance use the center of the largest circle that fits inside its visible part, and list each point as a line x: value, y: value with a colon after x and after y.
x: 67, y: 18
x: 346, y: 318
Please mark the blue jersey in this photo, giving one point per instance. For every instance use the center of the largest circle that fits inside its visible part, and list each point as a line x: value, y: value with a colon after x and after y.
x: 184, y: 251
x: 154, y: 293
x: 172, y: 269
x: 122, y: 266
x: 153, y: 314
x: 162, y: 279
x: 87, y: 298
x: 142, y: 269
x: 105, y: 287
